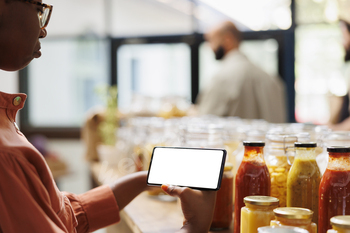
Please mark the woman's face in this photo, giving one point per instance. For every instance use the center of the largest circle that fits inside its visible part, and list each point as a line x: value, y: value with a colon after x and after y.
x: 19, y: 34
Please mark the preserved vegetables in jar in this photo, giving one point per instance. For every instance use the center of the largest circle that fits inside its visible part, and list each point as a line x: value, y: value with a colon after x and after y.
x: 252, y: 178
x: 277, y: 147
x: 295, y: 217
x: 334, y: 192
x: 304, y: 179
x: 258, y: 212
x: 340, y: 224
x: 222, y: 217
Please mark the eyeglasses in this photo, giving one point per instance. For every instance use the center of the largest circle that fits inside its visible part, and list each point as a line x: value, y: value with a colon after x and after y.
x: 44, y: 14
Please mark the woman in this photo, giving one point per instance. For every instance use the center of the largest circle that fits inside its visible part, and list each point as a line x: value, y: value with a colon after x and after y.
x: 29, y: 198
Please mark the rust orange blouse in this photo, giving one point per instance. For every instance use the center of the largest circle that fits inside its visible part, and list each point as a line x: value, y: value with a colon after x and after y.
x: 29, y: 198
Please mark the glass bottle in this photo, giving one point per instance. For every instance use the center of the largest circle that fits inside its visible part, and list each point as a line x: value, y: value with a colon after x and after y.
x: 252, y: 178
x: 334, y: 138
x: 334, y: 189
x: 222, y: 218
x: 258, y: 212
x: 295, y: 217
x: 340, y: 224
x: 278, y: 145
x: 304, y: 179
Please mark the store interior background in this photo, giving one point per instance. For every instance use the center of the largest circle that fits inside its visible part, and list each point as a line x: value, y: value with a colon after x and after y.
x: 155, y: 48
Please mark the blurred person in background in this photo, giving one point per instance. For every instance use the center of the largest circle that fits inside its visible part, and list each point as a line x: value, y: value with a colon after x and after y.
x: 29, y: 198
x: 240, y: 88
x: 340, y: 106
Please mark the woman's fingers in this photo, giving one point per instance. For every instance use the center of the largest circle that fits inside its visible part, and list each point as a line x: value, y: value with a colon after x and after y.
x: 172, y: 190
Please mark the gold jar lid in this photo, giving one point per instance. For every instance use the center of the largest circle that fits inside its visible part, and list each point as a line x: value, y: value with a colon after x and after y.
x: 228, y: 167
x: 261, y: 200
x: 293, y: 213
x: 341, y: 221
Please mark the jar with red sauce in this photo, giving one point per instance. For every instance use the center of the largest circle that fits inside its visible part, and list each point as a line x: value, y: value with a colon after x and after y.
x: 222, y: 218
x: 252, y: 179
x: 334, y: 192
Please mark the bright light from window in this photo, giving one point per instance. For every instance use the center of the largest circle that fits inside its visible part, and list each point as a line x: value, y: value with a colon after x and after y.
x: 255, y: 14
x: 337, y: 84
x: 282, y: 18
x: 332, y: 11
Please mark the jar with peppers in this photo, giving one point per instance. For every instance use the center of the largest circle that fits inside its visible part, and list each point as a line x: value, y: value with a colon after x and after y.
x: 278, y: 145
x: 340, y: 224
x: 222, y: 218
x: 334, y: 192
x: 252, y: 178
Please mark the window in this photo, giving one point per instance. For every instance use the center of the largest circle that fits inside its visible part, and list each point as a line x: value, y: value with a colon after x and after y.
x: 319, y: 63
x: 153, y: 70
x: 62, y: 84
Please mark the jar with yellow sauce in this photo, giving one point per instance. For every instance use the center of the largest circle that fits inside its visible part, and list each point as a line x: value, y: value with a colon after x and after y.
x: 340, y: 224
x: 278, y: 145
x: 295, y: 217
x: 257, y: 212
x: 304, y: 179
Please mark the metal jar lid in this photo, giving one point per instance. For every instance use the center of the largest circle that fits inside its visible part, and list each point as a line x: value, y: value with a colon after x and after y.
x: 305, y: 144
x: 253, y: 143
x: 338, y: 149
x: 281, y: 229
x: 261, y: 200
x: 341, y: 221
x: 293, y: 213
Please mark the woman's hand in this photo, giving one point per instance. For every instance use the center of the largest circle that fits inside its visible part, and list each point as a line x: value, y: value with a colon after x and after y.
x: 197, y: 207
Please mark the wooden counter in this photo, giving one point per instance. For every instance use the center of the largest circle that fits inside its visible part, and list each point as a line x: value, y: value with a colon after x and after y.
x: 145, y: 214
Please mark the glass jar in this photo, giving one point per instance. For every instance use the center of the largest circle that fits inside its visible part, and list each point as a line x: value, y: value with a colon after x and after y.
x: 202, y: 135
x: 340, y: 224
x: 232, y: 139
x: 252, y: 178
x: 295, y: 217
x: 304, y: 179
x: 281, y: 229
x: 334, y: 189
x: 222, y: 218
x: 278, y: 144
x: 335, y: 138
x: 258, y: 212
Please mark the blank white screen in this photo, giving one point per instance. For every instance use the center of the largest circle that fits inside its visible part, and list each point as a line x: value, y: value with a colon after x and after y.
x: 186, y: 167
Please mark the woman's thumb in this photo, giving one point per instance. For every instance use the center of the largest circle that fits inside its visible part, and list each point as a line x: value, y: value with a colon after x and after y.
x: 172, y: 190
